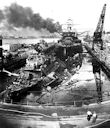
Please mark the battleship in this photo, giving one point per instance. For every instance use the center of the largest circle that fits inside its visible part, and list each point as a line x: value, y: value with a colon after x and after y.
x: 57, y: 88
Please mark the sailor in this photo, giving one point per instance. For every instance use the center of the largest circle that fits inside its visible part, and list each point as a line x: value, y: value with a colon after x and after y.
x: 89, y: 115
x: 94, y: 117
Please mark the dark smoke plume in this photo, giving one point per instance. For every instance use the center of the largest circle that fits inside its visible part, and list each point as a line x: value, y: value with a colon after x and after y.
x: 1, y: 15
x: 18, y: 16
x: 24, y: 17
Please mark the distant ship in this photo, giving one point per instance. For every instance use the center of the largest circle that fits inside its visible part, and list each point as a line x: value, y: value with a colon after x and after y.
x: 10, y: 61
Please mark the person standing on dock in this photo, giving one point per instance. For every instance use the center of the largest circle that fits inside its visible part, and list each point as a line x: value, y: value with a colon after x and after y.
x: 89, y: 115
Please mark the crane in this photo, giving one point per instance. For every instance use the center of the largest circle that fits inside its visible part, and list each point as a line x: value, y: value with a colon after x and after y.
x: 97, y: 63
x: 97, y: 37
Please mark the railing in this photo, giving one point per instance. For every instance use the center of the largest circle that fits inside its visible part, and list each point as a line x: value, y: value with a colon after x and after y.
x: 54, y: 102
x: 79, y: 103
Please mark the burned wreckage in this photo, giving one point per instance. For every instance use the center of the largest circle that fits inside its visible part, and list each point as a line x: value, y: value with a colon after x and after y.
x: 47, y: 69
x: 57, y: 85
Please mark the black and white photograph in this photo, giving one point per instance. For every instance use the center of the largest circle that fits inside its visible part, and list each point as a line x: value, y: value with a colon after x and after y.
x: 55, y: 64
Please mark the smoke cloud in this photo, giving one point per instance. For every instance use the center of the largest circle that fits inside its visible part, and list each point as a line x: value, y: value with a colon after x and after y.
x: 1, y: 15
x: 19, y: 16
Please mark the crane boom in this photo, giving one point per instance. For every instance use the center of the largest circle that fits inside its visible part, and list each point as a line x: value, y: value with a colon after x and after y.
x: 101, y: 20
x: 97, y: 37
x: 96, y: 63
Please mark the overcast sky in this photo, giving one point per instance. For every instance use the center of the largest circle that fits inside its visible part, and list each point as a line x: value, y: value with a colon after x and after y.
x: 84, y: 13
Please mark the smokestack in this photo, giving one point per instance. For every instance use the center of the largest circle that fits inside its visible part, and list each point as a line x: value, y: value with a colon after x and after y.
x: 1, y: 54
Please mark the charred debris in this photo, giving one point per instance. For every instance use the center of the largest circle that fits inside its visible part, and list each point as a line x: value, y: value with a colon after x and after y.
x: 47, y: 66
x: 50, y: 65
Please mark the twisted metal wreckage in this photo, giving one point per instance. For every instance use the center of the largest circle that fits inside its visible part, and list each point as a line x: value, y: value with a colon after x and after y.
x: 60, y: 59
